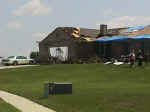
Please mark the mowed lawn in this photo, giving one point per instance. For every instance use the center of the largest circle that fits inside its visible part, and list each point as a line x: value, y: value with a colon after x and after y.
x: 5, y: 107
x: 96, y: 87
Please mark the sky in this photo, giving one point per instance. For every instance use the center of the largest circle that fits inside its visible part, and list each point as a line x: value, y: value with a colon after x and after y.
x: 23, y: 23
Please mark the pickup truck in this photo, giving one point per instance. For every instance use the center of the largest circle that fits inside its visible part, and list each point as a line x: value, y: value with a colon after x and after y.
x: 17, y: 60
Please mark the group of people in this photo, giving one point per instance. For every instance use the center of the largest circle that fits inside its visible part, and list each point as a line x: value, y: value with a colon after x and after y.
x: 133, y: 58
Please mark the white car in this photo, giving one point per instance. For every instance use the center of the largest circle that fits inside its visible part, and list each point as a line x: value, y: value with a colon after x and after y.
x: 1, y: 59
x: 17, y: 60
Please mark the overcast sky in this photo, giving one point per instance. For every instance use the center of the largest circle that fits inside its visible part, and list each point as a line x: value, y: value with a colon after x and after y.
x: 23, y: 22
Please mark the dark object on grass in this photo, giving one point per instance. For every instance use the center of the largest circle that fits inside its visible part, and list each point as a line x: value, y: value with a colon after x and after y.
x: 46, y: 90
x: 61, y: 88
x: 57, y: 88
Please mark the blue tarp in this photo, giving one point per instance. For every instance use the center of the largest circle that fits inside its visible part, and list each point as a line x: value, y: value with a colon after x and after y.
x: 140, y: 37
x: 112, y: 39
x: 121, y: 38
x: 137, y: 28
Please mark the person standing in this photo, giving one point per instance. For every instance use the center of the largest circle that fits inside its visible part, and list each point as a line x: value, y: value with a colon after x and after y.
x: 140, y: 58
x: 132, y: 59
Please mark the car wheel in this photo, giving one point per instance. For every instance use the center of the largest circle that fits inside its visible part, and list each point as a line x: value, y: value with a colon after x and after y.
x: 15, y: 63
x: 31, y: 62
x: 6, y: 64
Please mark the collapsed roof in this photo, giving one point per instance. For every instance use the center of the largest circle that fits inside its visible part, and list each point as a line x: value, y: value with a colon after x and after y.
x: 93, y: 34
x: 133, y: 33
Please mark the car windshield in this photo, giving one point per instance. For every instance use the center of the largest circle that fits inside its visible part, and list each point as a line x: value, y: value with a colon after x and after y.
x: 11, y: 57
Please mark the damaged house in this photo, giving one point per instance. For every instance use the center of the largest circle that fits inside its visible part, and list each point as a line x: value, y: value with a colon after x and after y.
x: 68, y: 43
x: 65, y: 43
x: 130, y: 38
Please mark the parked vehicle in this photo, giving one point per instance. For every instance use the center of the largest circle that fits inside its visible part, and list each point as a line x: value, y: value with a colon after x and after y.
x: 17, y: 60
x: 1, y: 59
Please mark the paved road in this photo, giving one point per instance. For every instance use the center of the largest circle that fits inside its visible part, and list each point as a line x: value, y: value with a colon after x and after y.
x: 18, y: 66
x: 23, y: 104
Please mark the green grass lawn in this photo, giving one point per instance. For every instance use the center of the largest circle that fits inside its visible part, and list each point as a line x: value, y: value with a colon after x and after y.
x: 96, y: 87
x: 4, y: 107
